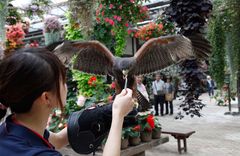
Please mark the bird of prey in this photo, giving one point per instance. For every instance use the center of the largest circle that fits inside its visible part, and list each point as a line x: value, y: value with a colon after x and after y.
x: 157, y: 53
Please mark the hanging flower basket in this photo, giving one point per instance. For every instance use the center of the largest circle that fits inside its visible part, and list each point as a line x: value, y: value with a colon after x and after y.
x: 52, y: 37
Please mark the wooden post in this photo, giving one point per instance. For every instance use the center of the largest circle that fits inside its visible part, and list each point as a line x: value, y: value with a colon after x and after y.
x: 179, y: 146
x: 185, y: 145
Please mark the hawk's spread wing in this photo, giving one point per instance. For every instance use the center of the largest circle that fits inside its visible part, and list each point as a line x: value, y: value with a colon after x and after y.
x: 201, y: 46
x: 64, y: 50
x: 158, y: 53
x: 93, y: 57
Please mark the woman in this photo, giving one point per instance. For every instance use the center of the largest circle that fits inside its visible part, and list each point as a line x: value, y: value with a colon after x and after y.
x: 32, y: 84
x: 169, y: 95
x: 141, y: 88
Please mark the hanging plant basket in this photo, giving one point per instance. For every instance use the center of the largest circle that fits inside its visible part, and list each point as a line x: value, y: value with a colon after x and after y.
x: 124, y: 143
x: 156, y: 133
x: 134, y: 141
x: 146, y: 136
x: 52, y: 37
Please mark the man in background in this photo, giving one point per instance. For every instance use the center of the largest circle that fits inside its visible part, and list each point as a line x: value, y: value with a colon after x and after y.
x: 159, y: 96
x: 210, y: 86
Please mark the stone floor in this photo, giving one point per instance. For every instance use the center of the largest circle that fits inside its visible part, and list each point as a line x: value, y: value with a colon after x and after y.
x: 216, y: 134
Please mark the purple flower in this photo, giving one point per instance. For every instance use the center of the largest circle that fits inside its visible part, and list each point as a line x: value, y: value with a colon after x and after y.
x: 52, y: 24
x: 34, y: 7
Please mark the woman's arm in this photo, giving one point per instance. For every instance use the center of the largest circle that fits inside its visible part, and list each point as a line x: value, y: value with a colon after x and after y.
x: 113, y: 144
x: 122, y: 105
x: 60, y: 139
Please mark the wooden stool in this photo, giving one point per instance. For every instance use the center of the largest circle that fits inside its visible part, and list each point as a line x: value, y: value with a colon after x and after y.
x: 180, y: 136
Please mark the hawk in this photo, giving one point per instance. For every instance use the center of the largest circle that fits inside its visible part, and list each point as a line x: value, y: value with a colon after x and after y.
x: 157, y: 53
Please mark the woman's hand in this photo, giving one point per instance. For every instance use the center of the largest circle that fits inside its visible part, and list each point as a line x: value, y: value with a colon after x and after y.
x: 123, y: 103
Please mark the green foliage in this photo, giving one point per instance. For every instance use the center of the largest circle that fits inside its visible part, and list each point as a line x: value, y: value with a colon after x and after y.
x: 168, y: 26
x: 217, y: 60
x: 3, y: 12
x: 118, y: 15
x: 125, y: 133
x: 102, y: 33
x: 90, y: 86
x: 234, y: 12
x: 146, y: 121
x: 13, y: 16
x: 73, y: 30
x: 133, y: 131
x: 120, y: 37
x: 157, y: 123
x: 36, y: 7
x: 226, y: 14
x: 71, y: 105
x: 58, y: 122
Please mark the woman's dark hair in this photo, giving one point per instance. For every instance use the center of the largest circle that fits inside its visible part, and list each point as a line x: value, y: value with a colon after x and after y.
x: 26, y: 74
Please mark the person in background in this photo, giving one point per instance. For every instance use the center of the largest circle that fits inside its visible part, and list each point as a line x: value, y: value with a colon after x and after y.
x: 32, y: 85
x: 141, y: 88
x: 158, y: 92
x: 169, y: 95
x: 210, y: 86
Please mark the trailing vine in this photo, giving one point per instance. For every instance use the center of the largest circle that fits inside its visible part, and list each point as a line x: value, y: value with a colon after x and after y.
x: 226, y: 14
x: 217, y: 59
x: 235, y: 10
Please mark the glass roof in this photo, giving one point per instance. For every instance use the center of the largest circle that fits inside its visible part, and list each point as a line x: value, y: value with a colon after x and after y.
x: 59, y: 11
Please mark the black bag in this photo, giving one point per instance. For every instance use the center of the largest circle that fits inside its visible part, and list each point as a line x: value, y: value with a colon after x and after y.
x: 87, y: 128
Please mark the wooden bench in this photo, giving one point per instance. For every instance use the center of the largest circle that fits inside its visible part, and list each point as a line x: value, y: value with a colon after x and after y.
x: 180, y: 136
x: 130, y: 151
x: 140, y: 149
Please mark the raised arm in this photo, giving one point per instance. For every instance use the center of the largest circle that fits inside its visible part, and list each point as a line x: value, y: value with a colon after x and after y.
x: 122, y: 105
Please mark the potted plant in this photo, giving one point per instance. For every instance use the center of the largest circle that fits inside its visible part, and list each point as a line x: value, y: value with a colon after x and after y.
x: 156, y: 133
x: 134, y: 135
x: 147, y: 125
x: 124, y: 139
